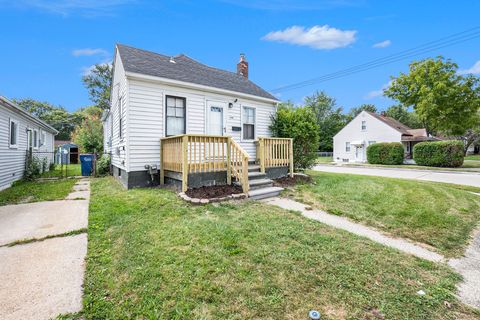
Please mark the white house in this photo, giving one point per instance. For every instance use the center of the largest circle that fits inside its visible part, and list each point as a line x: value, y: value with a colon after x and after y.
x: 350, y: 144
x: 155, y: 96
x: 20, y: 131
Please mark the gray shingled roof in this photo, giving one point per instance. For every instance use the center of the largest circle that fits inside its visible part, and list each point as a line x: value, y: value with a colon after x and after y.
x: 187, y: 70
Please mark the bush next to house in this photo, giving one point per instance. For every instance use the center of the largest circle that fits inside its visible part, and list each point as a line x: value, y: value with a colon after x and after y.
x: 103, y: 165
x: 385, y: 153
x: 439, y: 153
x: 301, y: 125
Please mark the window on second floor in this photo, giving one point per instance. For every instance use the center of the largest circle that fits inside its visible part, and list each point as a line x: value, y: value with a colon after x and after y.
x: 347, y: 146
x: 364, y: 125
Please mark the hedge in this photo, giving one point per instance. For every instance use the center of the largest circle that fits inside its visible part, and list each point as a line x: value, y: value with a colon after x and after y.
x: 448, y: 153
x: 385, y: 153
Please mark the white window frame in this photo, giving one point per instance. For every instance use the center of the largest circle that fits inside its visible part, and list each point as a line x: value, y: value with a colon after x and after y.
x: 43, y: 138
x: 14, y: 122
x: 35, y: 139
x: 254, y: 122
x: 120, y: 118
x: 348, y: 147
x: 364, y: 125
x: 165, y: 111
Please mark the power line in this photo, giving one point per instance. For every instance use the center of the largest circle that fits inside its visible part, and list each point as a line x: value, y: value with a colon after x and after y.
x: 402, y: 55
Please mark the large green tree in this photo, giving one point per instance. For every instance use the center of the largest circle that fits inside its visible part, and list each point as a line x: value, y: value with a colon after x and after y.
x: 300, y: 124
x: 400, y: 113
x: 99, y: 83
x: 329, y: 116
x: 89, y: 135
x: 444, y: 100
x: 356, y: 111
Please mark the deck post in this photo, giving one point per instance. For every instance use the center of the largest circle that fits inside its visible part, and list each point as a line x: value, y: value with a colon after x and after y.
x: 291, y: 157
x: 185, y: 163
x: 229, y: 164
x: 162, y: 170
x: 245, y: 182
x: 261, y: 143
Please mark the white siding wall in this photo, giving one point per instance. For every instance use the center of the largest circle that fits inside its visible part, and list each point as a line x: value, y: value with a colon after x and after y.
x: 146, y: 121
x: 376, y: 131
x: 12, y: 160
x: 119, y: 90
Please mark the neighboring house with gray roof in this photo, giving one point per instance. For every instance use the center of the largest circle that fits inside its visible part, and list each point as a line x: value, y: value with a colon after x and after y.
x: 350, y: 144
x: 19, y: 132
x: 155, y: 96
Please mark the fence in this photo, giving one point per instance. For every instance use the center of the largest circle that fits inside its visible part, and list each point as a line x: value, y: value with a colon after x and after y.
x: 56, y: 164
x: 324, y: 154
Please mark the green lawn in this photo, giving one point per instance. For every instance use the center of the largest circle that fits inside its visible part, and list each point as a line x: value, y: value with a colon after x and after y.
x: 467, y: 164
x: 473, y: 157
x: 439, y: 215
x: 153, y: 256
x: 71, y: 170
x: 23, y: 192
x: 324, y: 159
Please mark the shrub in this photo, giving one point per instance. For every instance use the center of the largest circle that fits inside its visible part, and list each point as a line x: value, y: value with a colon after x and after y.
x: 385, y: 153
x: 439, y: 154
x: 51, y: 166
x: 299, y: 124
x: 33, y: 168
x: 44, y: 164
x: 103, y: 165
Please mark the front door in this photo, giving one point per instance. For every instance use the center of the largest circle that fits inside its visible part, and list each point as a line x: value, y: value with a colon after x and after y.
x: 215, y: 123
x: 358, y: 153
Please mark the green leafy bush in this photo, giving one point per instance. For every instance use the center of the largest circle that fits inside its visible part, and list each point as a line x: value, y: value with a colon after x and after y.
x: 33, y: 168
x: 385, y: 153
x: 301, y: 125
x: 447, y: 153
x: 103, y: 165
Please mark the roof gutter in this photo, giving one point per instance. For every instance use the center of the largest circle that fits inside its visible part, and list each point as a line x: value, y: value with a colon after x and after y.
x: 190, y: 85
x: 14, y: 106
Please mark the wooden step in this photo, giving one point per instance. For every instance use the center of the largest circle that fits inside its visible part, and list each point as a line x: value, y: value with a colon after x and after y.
x: 264, y: 193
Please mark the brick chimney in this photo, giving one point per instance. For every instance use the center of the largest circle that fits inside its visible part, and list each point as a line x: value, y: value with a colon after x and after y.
x: 242, y: 66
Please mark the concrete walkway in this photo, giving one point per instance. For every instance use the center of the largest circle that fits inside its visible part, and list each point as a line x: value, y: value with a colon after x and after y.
x: 464, y: 178
x: 43, y: 279
x: 358, y: 229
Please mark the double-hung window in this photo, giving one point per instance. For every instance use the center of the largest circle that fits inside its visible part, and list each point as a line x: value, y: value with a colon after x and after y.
x: 120, y: 118
x: 364, y: 125
x: 13, y: 139
x: 35, y: 139
x: 347, y: 146
x: 248, y: 123
x: 43, y: 138
x: 175, y: 115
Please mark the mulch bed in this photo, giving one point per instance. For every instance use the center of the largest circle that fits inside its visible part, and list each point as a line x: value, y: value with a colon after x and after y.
x: 213, y: 192
x: 290, y: 182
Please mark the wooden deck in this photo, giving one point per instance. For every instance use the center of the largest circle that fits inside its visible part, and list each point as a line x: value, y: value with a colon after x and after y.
x: 193, y: 153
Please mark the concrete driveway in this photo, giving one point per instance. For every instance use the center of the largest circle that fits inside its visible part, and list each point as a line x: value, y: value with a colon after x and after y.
x: 463, y: 178
x: 43, y: 278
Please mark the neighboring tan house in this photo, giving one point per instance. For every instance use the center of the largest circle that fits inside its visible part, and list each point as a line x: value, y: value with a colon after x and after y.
x: 350, y: 144
x: 214, y: 120
x: 19, y: 132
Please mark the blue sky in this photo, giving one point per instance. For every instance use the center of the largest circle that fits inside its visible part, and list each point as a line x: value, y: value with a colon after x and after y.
x: 47, y: 45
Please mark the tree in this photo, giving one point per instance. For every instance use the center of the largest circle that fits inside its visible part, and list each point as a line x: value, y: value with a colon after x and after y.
x: 56, y: 116
x: 99, y: 84
x: 356, y: 111
x: 89, y: 135
x: 330, y: 118
x: 472, y: 135
x: 300, y: 124
x: 400, y: 113
x: 444, y: 100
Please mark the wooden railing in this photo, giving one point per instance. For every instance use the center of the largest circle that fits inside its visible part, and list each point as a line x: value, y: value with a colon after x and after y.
x: 194, y: 153
x: 239, y: 164
x: 275, y: 152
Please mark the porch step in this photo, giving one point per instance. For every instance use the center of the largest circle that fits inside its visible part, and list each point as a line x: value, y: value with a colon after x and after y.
x: 253, y: 168
x: 258, y: 184
x: 255, y: 175
x: 264, y: 193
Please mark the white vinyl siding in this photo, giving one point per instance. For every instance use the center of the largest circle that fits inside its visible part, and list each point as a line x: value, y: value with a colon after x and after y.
x: 12, y: 157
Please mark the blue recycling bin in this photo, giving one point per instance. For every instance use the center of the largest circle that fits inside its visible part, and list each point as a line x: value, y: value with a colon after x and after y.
x: 86, y: 161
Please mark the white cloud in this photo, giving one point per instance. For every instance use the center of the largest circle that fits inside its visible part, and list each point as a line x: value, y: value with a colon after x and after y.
x: 89, y: 52
x: 67, y: 7
x: 317, y: 37
x: 379, y: 92
x: 475, y: 69
x: 382, y: 44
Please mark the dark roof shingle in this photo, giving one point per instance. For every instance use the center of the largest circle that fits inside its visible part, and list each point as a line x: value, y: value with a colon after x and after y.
x: 187, y: 70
